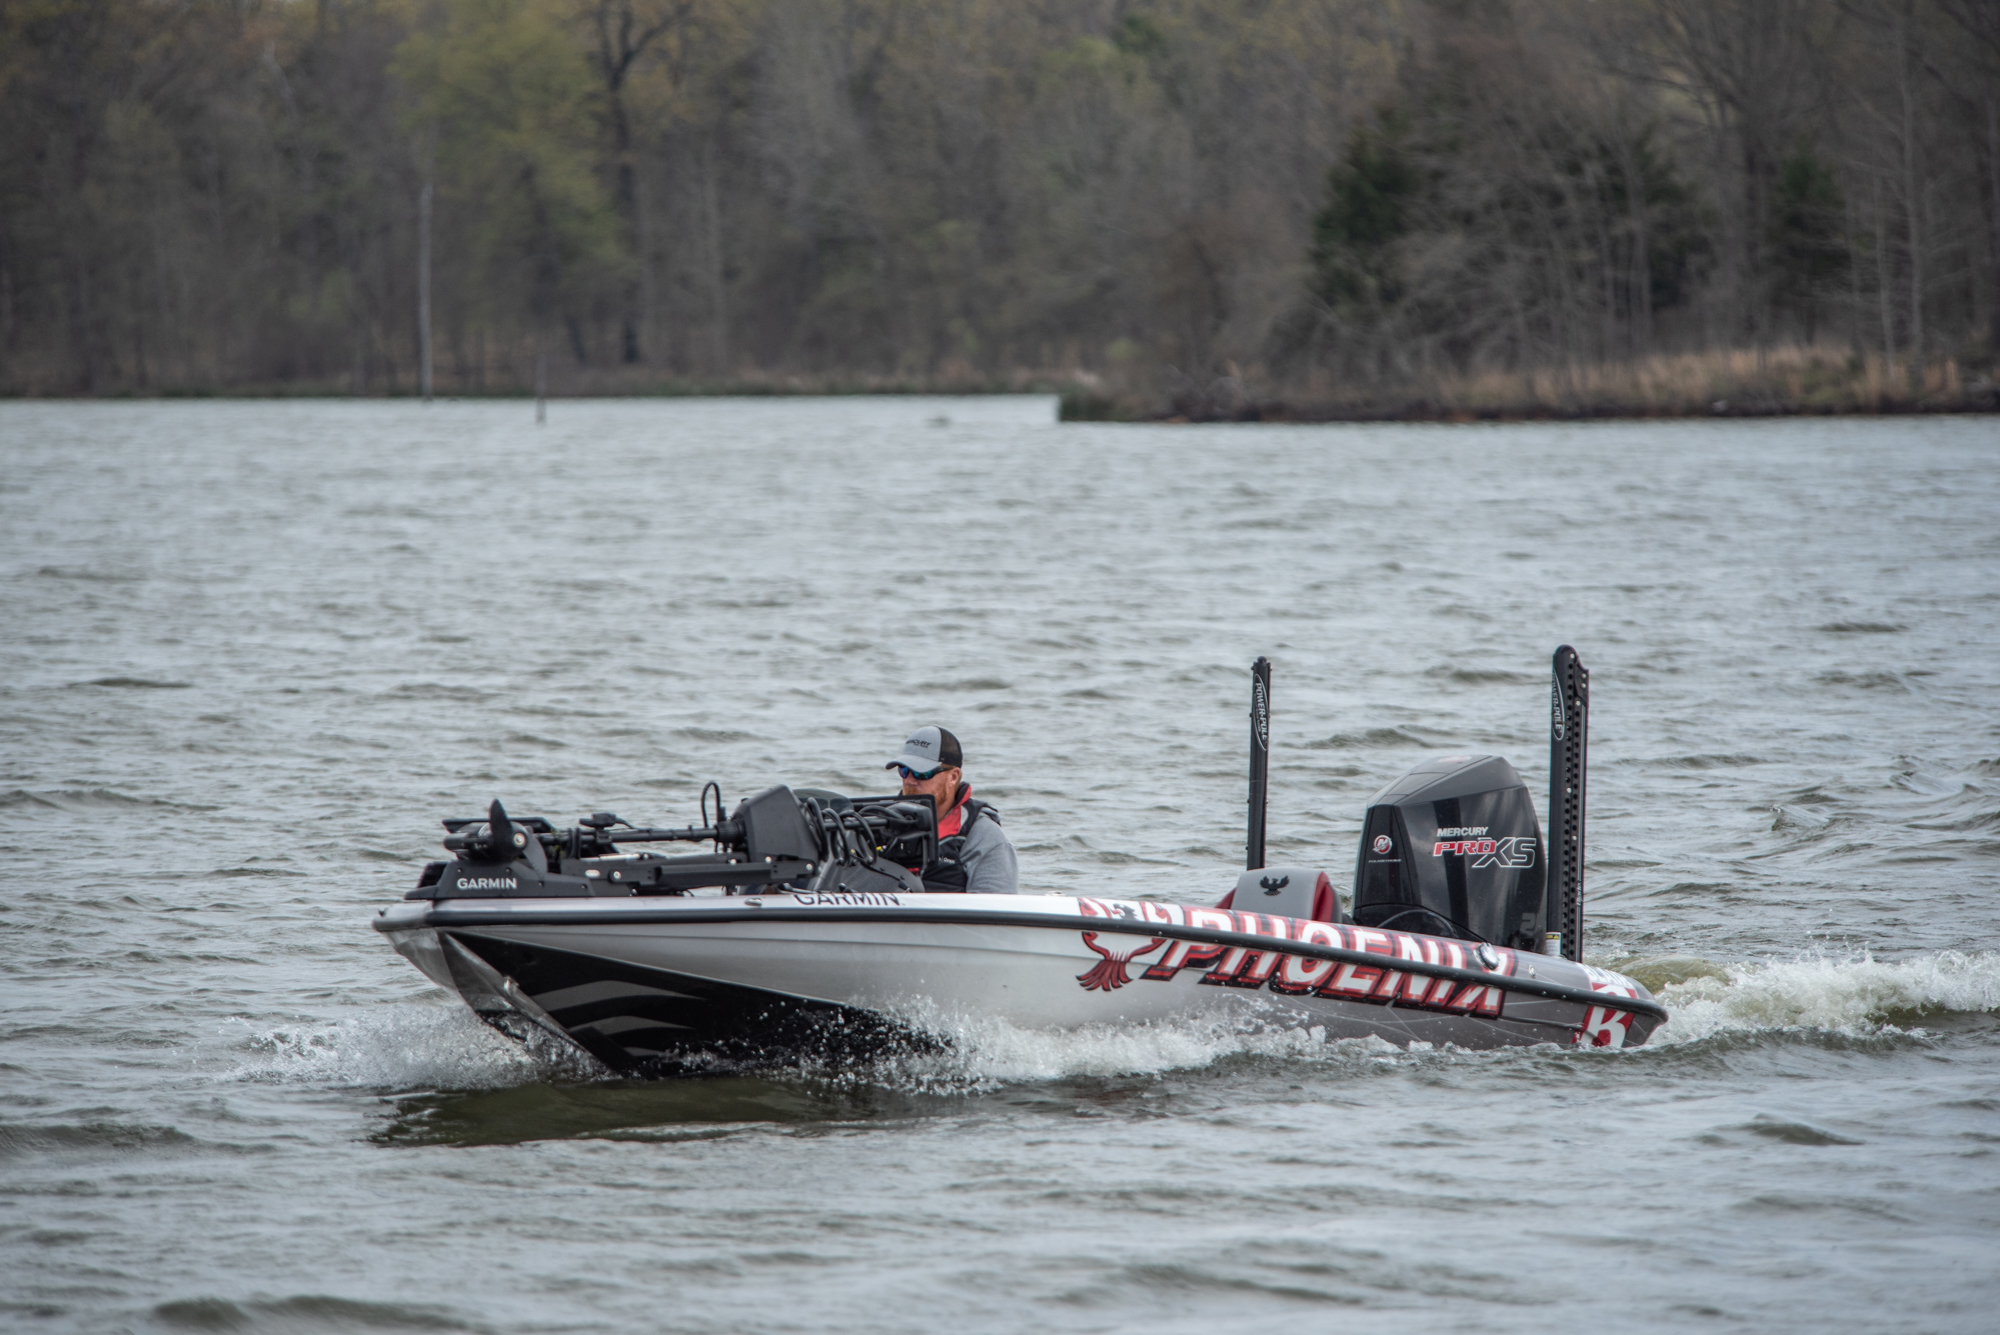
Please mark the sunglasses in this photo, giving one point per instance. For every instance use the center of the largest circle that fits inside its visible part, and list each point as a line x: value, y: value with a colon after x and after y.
x: 909, y: 773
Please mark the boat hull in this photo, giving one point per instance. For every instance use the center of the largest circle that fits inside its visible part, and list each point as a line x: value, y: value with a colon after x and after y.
x: 670, y: 984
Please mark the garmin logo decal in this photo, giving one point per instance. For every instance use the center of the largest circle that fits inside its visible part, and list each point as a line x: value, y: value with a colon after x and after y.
x: 487, y: 883
x: 869, y: 898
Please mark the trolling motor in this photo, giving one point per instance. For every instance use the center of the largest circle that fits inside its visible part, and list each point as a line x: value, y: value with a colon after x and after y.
x: 804, y: 840
x: 1452, y: 848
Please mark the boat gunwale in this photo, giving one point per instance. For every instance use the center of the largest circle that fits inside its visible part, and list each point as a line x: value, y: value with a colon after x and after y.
x: 567, y: 913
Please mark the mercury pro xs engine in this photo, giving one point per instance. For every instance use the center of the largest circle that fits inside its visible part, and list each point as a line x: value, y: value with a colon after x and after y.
x: 1453, y: 848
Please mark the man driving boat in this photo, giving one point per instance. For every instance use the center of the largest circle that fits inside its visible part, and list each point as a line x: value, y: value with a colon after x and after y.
x: 974, y: 853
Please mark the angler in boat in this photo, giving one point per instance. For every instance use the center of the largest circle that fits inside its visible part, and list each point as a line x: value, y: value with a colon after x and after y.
x: 974, y: 853
x: 802, y: 929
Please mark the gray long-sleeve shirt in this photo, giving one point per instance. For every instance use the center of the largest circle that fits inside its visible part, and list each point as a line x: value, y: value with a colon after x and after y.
x: 988, y: 857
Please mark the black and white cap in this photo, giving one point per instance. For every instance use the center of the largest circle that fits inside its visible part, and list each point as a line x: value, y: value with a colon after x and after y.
x: 928, y: 749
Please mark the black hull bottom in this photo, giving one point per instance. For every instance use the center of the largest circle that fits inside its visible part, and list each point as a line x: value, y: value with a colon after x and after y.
x: 650, y: 1022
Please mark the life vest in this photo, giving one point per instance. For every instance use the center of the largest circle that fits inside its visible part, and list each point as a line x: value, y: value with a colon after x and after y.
x: 947, y: 874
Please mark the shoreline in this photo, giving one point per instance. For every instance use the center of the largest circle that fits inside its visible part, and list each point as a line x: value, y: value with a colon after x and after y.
x: 1069, y: 411
x: 1795, y: 381
x: 1279, y: 414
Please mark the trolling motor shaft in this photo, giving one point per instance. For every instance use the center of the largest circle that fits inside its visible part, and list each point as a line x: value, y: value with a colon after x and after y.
x: 1569, y: 754
x: 1260, y: 759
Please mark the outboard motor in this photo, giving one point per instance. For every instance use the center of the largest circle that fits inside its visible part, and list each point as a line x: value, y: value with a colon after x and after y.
x: 1453, y: 849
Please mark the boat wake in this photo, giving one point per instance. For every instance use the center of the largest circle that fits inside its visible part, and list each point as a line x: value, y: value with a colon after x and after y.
x: 980, y: 1054
x: 409, y: 1045
x: 418, y: 1045
x: 1855, y: 995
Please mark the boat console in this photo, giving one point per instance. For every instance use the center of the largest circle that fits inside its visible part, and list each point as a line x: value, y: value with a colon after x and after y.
x: 806, y: 840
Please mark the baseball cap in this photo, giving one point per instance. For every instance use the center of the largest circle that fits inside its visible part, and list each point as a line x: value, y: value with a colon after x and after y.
x: 928, y: 749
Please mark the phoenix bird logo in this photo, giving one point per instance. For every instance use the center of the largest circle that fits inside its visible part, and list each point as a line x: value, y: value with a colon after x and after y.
x: 1108, y: 974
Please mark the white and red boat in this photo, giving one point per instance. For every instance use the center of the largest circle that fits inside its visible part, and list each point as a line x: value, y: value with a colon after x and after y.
x: 802, y: 931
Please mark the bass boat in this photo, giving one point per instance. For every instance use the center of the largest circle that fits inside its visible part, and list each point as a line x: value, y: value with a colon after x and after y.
x: 803, y: 931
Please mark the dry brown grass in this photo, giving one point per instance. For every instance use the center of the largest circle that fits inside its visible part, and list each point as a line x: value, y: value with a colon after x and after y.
x: 1794, y: 378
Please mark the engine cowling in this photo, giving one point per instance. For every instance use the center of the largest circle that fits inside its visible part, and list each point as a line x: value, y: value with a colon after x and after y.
x: 1453, y: 849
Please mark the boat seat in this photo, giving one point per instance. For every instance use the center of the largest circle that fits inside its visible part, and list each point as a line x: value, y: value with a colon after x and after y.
x: 1291, y: 892
x: 537, y: 856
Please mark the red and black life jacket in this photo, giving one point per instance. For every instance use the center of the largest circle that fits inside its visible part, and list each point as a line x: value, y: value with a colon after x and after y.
x: 947, y: 874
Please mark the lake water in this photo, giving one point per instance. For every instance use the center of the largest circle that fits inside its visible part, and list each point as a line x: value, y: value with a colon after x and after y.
x: 252, y: 652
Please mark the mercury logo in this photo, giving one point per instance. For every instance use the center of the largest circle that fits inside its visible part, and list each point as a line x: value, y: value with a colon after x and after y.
x: 1383, y: 843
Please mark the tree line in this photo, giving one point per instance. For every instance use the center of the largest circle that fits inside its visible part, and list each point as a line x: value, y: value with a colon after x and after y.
x: 1196, y: 200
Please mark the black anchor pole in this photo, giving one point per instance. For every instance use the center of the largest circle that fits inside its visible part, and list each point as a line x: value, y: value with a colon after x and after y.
x: 1569, y: 753
x: 1260, y: 758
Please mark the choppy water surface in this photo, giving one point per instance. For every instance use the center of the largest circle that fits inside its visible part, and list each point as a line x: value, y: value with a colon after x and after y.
x: 252, y: 653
